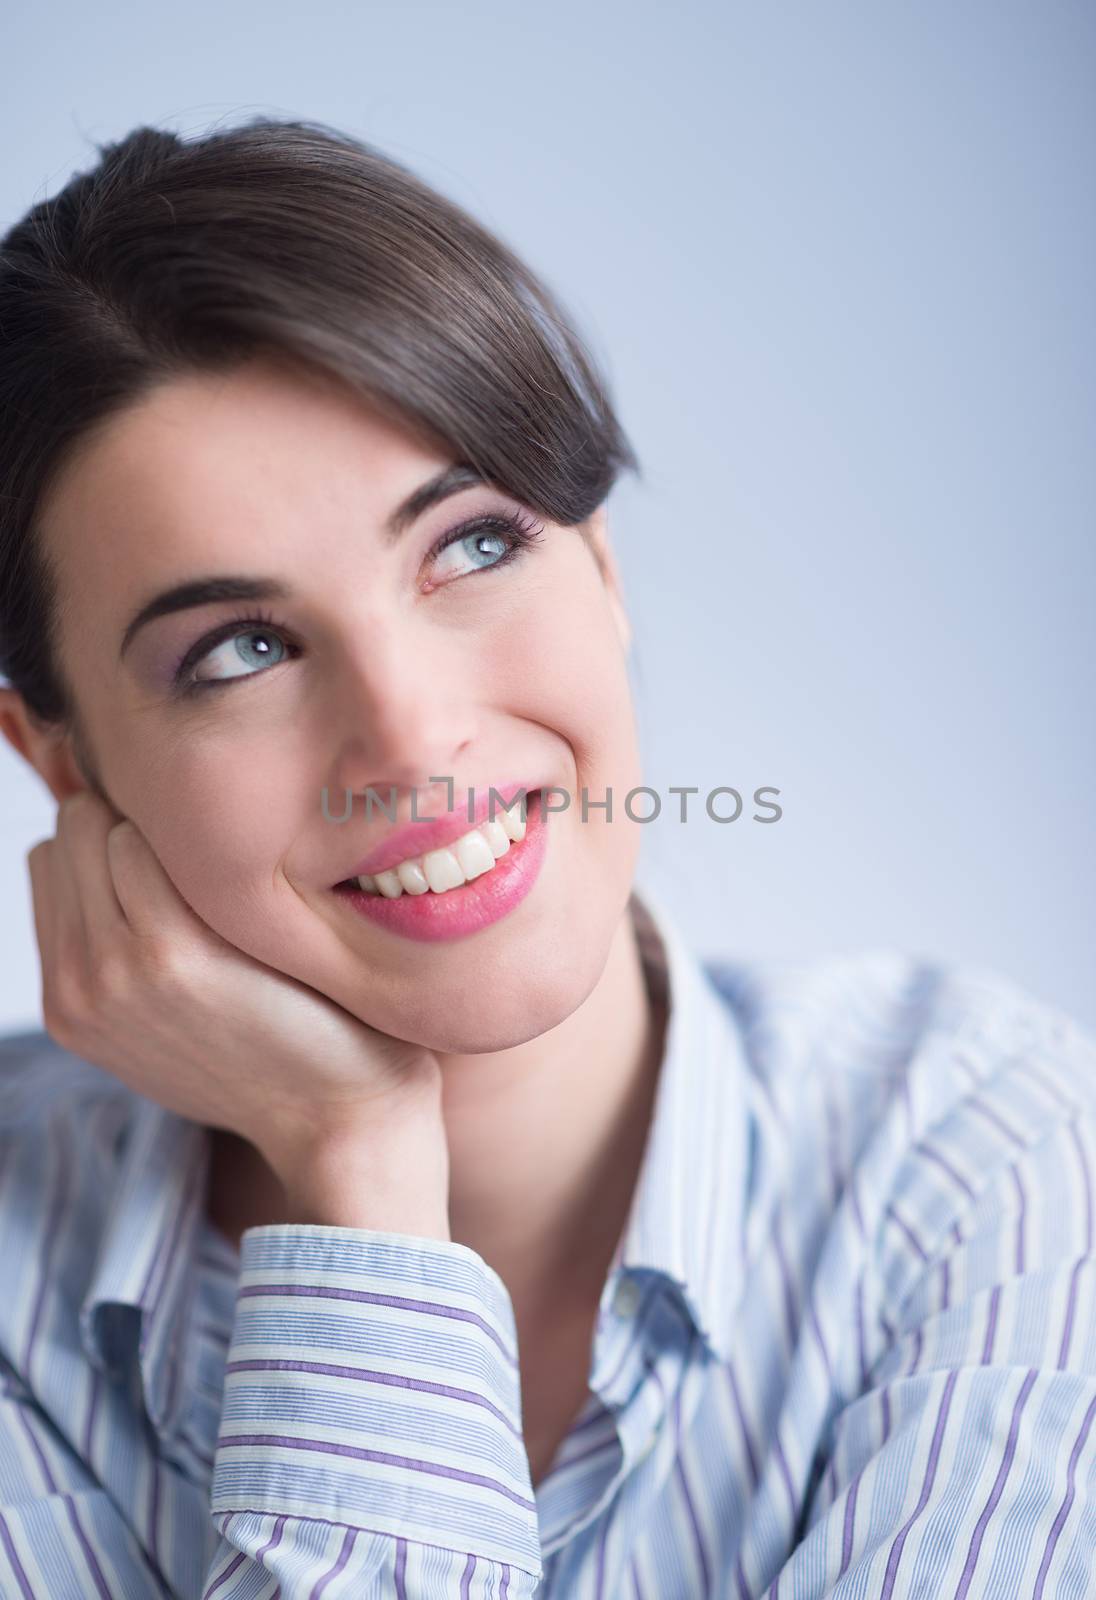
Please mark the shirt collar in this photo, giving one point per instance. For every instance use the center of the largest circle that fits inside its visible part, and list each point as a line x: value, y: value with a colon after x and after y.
x: 145, y: 1259
x: 689, y: 1211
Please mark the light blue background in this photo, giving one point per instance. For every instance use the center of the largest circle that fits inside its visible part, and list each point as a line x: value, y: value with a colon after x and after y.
x: 838, y: 261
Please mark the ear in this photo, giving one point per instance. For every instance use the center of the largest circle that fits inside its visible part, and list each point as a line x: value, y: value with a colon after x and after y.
x: 46, y: 747
x: 598, y: 537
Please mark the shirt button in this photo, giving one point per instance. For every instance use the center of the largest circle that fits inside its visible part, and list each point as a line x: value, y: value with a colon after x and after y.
x: 626, y: 1298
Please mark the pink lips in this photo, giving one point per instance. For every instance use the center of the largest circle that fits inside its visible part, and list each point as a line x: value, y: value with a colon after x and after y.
x: 415, y: 838
x: 470, y: 908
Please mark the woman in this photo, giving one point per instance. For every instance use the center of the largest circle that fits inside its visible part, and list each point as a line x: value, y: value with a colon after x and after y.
x: 397, y: 1207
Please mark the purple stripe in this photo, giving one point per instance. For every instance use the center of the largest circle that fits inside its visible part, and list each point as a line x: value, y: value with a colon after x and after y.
x: 401, y: 1569
x: 175, y: 1370
x: 24, y: 1422
x: 832, y: 1141
x: 356, y: 1453
x: 1086, y: 1179
x: 998, y: 1121
x: 426, y: 1308
x: 690, y: 1507
x: 16, y: 1565
x: 504, y: 1586
x: 1064, y: 1508
x: 998, y: 1487
x: 945, y: 1165
x: 812, y: 1308
x: 344, y: 1556
x: 907, y: 1101
x: 782, y: 1462
x: 1049, y: 1085
x: 469, y: 1574
x: 89, y: 1427
x: 369, y: 1375
x: 907, y: 1230
x: 785, y: 1275
x: 1014, y: 1169
x: 751, y: 1458
x: 227, y: 1573
x: 60, y: 1196
x: 1071, y: 1306
x: 856, y: 1203
x: 991, y: 1324
x: 926, y: 1490
x: 273, y: 1541
x: 89, y: 1554
x: 744, y: 1590
x: 850, y: 1518
x: 945, y: 1283
x: 602, y: 1538
x: 860, y: 1336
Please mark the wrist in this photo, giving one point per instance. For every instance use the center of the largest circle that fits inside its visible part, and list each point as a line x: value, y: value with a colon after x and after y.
x: 392, y: 1177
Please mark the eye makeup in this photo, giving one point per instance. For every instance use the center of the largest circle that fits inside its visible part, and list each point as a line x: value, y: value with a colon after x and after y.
x: 518, y: 528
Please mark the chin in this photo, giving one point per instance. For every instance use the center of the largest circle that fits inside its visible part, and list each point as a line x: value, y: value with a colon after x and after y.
x: 503, y: 1011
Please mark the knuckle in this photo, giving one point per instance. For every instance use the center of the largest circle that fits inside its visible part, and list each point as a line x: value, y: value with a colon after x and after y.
x: 109, y: 978
x: 161, y: 960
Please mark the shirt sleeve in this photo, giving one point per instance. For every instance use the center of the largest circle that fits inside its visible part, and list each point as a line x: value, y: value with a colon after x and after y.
x: 370, y: 1441
x: 966, y: 1467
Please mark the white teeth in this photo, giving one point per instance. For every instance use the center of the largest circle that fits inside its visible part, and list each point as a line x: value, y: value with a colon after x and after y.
x: 513, y: 822
x: 496, y: 836
x: 442, y: 870
x: 466, y: 858
x: 474, y: 854
x: 412, y: 877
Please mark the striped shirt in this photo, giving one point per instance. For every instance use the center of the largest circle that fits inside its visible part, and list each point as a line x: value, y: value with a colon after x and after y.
x: 846, y: 1347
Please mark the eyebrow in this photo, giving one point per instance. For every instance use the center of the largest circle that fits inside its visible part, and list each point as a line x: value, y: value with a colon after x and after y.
x: 231, y: 586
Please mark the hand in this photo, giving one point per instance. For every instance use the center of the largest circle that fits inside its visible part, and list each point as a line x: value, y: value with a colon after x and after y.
x: 134, y: 981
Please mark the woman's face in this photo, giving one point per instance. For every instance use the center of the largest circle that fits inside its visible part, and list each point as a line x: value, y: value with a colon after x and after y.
x: 383, y: 666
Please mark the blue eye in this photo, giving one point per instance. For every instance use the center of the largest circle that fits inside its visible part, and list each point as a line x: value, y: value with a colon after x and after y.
x: 477, y: 540
x: 233, y: 638
x: 514, y: 532
x: 271, y: 649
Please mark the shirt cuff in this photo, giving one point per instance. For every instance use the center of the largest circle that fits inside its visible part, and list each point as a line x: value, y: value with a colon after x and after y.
x: 372, y: 1380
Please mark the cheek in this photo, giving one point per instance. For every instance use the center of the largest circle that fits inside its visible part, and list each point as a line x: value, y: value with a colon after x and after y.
x: 574, y: 681
x: 221, y: 828
x: 573, y: 674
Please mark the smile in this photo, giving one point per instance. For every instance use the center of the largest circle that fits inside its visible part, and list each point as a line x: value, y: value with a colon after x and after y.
x: 451, y: 892
x: 439, y: 871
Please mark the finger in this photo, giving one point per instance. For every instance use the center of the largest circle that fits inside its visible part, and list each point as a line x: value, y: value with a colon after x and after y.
x: 149, y: 900
x: 83, y: 824
x: 39, y: 868
x: 58, y: 922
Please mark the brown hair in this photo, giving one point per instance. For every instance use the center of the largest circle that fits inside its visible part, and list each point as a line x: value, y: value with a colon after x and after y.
x: 284, y: 238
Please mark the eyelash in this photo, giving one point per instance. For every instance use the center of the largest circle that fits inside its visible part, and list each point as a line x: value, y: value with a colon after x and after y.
x: 522, y: 529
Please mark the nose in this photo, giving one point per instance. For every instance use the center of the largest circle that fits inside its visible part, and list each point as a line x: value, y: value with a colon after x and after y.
x: 402, y: 712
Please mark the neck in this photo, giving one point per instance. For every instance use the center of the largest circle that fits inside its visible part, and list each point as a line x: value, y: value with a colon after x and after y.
x: 546, y: 1139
